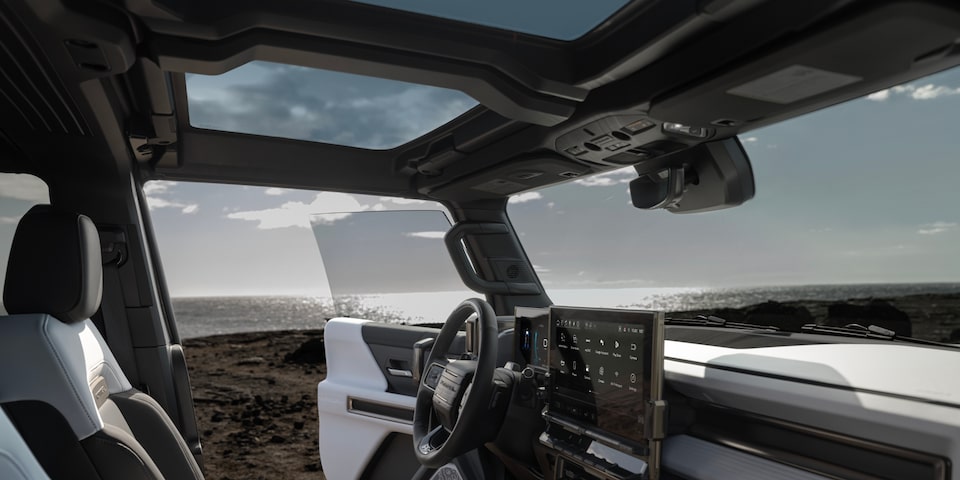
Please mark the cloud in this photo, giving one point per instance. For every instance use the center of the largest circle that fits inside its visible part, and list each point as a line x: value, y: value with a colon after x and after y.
x: 24, y: 187
x: 320, y: 105
x: 402, y: 201
x: 608, y: 179
x: 750, y: 140
x: 330, y: 206
x: 525, y: 197
x: 9, y: 220
x: 539, y: 269
x: 273, y: 191
x: 431, y: 235
x: 155, y: 187
x: 937, y: 228
x: 152, y: 189
x: 921, y: 92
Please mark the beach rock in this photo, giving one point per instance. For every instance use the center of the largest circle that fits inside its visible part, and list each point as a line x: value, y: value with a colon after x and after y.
x: 875, y: 312
x: 311, y: 352
x: 776, y: 314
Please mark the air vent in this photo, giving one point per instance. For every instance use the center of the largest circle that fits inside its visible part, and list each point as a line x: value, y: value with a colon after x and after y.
x: 31, y: 95
x: 569, y: 174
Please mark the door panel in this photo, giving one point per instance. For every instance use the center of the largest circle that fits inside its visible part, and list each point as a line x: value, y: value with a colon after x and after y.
x: 391, y: 346
x: 350, y: 437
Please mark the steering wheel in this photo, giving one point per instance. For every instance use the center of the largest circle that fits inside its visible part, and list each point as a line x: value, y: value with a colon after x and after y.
x: 457, y: 393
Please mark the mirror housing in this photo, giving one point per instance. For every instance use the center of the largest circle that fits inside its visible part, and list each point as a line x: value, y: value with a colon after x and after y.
x: 709, y: 176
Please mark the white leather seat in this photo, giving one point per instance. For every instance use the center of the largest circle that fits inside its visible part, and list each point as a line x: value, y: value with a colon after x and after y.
x: 62, y: 387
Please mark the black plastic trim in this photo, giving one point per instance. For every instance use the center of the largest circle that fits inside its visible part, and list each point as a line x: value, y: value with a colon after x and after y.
x: 819, y: 451
x: 379, y: 410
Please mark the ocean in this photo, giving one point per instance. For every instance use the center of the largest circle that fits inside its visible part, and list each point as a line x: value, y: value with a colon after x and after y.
x: 202, y: 316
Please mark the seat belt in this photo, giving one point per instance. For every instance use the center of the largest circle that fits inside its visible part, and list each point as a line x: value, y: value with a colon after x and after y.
x: 112, y: 314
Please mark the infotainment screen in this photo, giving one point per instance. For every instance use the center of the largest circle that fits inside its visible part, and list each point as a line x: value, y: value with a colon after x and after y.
x: 606, y: 369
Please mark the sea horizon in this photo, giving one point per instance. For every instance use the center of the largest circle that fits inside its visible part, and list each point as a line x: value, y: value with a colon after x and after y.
x: 199, y: 316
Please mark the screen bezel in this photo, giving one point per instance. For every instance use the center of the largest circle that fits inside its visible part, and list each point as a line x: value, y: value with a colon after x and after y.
x: 653, y: 342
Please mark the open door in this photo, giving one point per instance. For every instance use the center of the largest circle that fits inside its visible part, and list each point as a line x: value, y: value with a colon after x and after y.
x: 388, y: 271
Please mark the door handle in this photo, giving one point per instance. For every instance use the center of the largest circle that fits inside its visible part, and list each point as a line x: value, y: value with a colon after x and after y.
x: 396, y: 372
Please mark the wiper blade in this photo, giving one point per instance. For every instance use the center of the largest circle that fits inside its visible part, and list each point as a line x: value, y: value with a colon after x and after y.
x: 715, y: 321
x: 869, y: 331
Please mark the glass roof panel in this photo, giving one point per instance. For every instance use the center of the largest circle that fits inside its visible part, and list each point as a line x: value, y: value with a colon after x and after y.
x: 556, y: 19
x: 303, y: 103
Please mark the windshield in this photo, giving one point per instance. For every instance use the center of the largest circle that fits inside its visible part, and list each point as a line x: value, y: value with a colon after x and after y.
x: 858, y: 201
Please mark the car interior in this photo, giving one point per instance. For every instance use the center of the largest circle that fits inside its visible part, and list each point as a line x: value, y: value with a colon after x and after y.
x: 95, y: 102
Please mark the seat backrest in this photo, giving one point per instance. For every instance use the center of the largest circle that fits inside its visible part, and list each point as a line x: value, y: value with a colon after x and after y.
x: 16, y: 461
x: 62, y: 387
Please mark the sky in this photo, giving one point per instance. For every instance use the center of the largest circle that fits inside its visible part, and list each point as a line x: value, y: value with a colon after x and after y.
x: 864, y: 192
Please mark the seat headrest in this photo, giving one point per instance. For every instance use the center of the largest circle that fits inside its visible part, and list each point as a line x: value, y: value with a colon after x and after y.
x: 54, y: 266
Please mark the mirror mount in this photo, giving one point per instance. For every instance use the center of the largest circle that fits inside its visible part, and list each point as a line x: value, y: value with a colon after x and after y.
x: 709, y: 176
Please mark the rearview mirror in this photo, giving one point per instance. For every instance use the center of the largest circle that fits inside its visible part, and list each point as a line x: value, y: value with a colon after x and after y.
x: 709, y: 176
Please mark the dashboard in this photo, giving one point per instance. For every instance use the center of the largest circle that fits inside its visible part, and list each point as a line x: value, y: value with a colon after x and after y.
x: 743, y: 404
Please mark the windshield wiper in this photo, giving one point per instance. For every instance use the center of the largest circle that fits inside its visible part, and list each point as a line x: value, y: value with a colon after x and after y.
x: 870, y: 331
x: 715, y: 321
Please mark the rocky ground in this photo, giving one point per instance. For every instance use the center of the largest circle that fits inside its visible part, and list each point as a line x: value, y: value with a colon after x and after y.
x: 930, y: 317
x: 255, y: 393
x: 255, y: 397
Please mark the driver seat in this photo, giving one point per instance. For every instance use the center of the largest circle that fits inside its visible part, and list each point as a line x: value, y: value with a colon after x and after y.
x: 61, y: 386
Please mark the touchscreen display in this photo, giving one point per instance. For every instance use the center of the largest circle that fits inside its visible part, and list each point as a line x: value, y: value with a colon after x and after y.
x: 532, y: 333
x: 603, y: 367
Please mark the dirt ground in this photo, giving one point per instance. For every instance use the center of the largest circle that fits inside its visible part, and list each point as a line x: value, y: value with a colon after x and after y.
x: 255, y: 397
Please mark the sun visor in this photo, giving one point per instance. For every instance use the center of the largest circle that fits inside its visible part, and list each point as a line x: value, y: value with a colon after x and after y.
x: 850, y: 58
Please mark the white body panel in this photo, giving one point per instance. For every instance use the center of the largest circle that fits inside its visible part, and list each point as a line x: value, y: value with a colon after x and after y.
x: 890, y: 393
x: 349, y: 440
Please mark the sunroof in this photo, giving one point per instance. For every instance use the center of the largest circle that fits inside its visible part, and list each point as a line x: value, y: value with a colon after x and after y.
x: 557, y: 19
x: 302, y: 103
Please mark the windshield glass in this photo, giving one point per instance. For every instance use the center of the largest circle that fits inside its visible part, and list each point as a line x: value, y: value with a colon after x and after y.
x: 858, y: 201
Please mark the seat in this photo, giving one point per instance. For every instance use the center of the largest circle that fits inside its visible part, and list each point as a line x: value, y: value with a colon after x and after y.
x: 61, y: 386
x: 16, y: 461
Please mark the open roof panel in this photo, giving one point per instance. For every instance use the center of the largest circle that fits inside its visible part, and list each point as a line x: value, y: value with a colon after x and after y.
x: 301, y: 103
x: 557, y: 19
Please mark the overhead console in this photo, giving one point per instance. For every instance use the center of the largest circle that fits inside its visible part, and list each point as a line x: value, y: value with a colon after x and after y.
x: 603, y: 376
x: 628, y: 139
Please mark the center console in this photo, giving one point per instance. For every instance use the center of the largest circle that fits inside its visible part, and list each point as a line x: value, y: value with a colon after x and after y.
x: 602, y: 380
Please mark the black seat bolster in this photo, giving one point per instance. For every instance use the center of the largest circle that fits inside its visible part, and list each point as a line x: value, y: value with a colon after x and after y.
x: 149, y: 423
x: 117, y: 455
